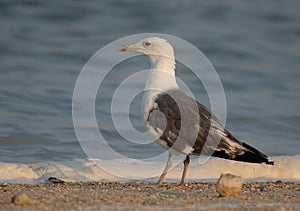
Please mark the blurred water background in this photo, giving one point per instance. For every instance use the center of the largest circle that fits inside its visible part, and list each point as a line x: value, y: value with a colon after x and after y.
x: 254, y: 46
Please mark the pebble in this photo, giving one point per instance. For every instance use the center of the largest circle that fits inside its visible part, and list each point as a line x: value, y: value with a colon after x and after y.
x: 22, y: 199
x: 54, y: 180
x: 3, y: 185
x: 229, y: 185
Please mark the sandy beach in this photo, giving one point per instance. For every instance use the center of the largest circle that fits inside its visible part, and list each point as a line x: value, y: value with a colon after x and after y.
x: 148, y: 196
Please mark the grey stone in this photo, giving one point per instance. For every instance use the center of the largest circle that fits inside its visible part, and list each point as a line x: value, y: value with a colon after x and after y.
x: 22, y: 199
x: 229, y: 185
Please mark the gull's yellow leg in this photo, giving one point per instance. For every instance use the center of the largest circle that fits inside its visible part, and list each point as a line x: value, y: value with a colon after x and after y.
x: 186, y: 163
x: 168, y: 166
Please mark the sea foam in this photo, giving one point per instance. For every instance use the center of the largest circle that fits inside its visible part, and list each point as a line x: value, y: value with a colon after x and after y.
x: 285, y: 168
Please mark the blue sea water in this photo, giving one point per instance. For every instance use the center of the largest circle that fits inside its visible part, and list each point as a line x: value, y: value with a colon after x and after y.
x: 253, y: 45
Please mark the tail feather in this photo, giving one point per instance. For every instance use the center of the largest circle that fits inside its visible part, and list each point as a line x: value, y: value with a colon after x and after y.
x: 251, y: 155
x: 257, y: 155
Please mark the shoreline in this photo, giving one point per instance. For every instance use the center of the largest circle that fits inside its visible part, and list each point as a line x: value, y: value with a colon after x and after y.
x: 149, y: 196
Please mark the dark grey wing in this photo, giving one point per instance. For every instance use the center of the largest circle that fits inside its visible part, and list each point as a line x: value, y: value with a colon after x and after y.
x: 211, y: 137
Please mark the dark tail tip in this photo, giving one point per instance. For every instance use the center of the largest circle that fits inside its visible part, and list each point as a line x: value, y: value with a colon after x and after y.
x: 257, y: 156
x: 270, y: 162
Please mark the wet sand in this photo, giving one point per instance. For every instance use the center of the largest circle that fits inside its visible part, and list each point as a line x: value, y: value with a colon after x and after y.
x: 148, y: 196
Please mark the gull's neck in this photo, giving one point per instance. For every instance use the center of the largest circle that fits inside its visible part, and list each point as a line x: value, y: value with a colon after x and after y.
x: 161, y: 78
x: 162, y: 75
x: 163, y: 64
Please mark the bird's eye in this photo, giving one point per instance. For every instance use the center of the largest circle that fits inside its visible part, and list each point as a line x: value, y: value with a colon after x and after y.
x: 147, y: 44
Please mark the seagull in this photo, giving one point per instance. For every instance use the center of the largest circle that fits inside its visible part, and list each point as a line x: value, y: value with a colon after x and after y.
x: 179, y: 123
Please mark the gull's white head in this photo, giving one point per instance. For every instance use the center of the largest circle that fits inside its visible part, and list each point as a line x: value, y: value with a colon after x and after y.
x: 158, y: 50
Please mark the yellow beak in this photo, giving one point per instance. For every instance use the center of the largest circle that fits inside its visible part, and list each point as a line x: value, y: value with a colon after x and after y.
x: 123, y: 48
x: 126, y: 48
